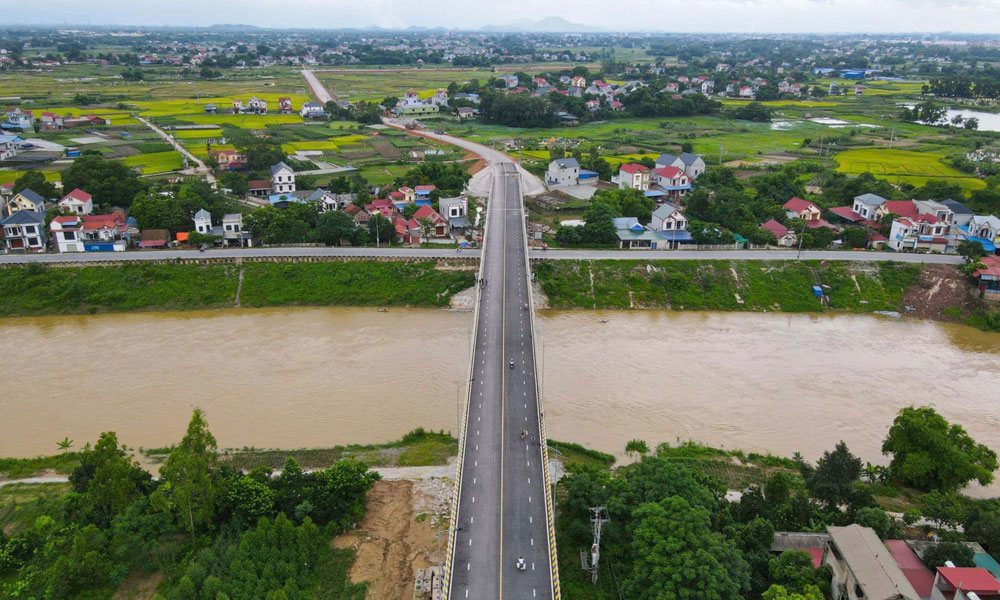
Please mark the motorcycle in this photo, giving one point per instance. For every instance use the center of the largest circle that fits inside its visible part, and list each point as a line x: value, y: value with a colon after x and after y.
x: 521, y: 565
x: 512, y: 363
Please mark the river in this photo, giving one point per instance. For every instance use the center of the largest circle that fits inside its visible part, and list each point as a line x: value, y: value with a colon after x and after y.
x: 988, y: 121
x: 306, y: 377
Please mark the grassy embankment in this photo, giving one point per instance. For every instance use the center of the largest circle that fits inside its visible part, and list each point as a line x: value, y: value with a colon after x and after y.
x: 725, y: 285
x: 37, y: 290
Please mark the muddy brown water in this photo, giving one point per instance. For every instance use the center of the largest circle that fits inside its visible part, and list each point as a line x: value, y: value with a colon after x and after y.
x: 307, y: 377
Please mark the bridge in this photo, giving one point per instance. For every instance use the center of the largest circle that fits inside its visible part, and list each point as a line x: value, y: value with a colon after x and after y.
x: 502, y: 507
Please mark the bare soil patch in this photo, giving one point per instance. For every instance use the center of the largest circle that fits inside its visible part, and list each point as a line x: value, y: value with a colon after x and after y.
x: 940, y: 287
x: 139, y: 585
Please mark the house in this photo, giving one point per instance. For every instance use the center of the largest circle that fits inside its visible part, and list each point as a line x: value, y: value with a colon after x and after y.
x: 988, y: 277
x: 67, y: 233
x: 464, y: 112
x: 424, y: 191
x: 785, y: 236
x: 631, y: 234
x: 632, y: 176
x: 440, y: 225
x: 673, y: 181
x: 326, y: 200
x: 919, y: 576
x: 746, y: 92
x: 923, y: 232
x: 440, y: 98
x: 408, y: 194
x: 360, y: 215
x: 313, y: 110
x: 668, y: 218
x: 10, y: 145
x: 237, y: 106
x: 211, y: 109
x: 563, y: 171
x: 24, y: 231
x: 229, y: 159
x: 867, y: 205
x: 509, y: 81
x: 671, y: 88
x: 456, y: 211
x: 863, y: 568
x: 282, y: 179
x: 473, y: 98
x: 256, y: 105
x: 50, y: 121
x: 707, y: 87
x: 77, y: 201
x: 18, y: 120
x: 285, y: 106
x: 233, y: 231
x: 154, y: 238
x: 960, y: 213
x: 259, y: 188
x: 797, y: 208
x: 846, y: 214
x: 106, y: 232
x: 203, y: 222
x: 578, y: 81
x: 412, y: 105
x: 669, y: 160
x: 986, y: 228
x: 25, y: 200
x: 964, y: 583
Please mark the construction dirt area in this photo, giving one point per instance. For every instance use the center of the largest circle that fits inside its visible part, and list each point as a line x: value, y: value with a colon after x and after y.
x: 941, y: 287
x: 397, y: 536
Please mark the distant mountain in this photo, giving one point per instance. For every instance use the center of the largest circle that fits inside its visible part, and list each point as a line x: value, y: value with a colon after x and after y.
x: 548, y: 24
x: 232, y: 27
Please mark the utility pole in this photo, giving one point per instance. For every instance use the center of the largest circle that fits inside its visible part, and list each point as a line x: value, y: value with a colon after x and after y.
x: 598, y: 518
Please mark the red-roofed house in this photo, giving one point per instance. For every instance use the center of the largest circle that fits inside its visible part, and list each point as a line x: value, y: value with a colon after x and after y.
x: 919, y: 232
x: 785, y: 236
x: 988, y: 277
x: 919, y: 576
x: 77, y: 202
x: 847, y: 214
x: 409, y: 194
x: 67, y: 233
x: 259, y: 188
x: 424, y: 191
x: 384, y: 206
x: 903, y: 208
x: 441, y: 227
x: 797, y: 208
x: 632, y: 176
x: 673, y: 180
x: 957, y: 583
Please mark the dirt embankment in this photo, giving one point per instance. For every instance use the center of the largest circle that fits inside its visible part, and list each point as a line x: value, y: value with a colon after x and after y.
x: 940, y: 287
x: 397, y: 536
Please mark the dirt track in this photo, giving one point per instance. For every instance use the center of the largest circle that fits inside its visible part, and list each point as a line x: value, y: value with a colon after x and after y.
x: 397, y: 535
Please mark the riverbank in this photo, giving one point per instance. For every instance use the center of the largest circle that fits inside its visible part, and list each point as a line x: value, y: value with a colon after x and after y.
x: 928, y: 291
x: 35, y: 290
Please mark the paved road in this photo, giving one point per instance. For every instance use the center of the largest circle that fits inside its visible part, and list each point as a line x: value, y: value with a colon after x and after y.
x: 318, y: 89
x: 501, y: 508
x: 450, y: 253
x: 199, y: 166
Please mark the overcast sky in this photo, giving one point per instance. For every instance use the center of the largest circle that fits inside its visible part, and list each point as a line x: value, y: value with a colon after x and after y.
x: 752, y: 16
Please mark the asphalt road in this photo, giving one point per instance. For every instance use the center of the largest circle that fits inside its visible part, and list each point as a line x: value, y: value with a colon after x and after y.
x: 451, y: 252
x: 501, y: 509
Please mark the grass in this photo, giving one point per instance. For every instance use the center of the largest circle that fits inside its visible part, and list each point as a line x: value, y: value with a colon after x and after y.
x: 899, y: 166
x: 351, y: 283
x: 724, y: 285
x: 155, y: 162
x: 37, y: 290
x: 20, y: 468
x: 574, y: 454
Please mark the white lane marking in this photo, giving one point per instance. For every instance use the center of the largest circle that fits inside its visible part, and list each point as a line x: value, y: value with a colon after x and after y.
x: 467, y: 589
x: 531, y: 519
x: 532, y: 542
x: 529, y: 481
x: 475, y: 463
x: 468, y: 566
x: 473, y: 480
x: 474, y: 500
x: 477, y: 446
x: 532, y: 568
x: 477, y: 432
x: 533, y: 594
x: 529, y: 499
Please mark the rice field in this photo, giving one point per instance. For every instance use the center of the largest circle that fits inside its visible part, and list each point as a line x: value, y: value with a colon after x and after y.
x: 778, y: 103
x: 375, y: 86
x: 157, y: 162
x: 196, y: 134
x: 903, y: 166
x: 13, y: 175
x: 620, y: 159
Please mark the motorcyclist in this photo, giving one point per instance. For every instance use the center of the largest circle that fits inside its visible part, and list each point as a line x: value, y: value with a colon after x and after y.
x: 520, y: 564
x: 512, y: 363
x: 524, y: 432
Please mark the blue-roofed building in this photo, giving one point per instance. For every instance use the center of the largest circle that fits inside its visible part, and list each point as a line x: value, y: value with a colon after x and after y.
x: 852, y: 73
x: 985, y: 561
x: 283, y: 200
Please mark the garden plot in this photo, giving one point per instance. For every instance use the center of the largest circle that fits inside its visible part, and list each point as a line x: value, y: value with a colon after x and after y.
x: 89, y: 139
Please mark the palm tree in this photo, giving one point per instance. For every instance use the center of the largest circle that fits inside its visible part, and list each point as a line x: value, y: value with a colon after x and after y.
x: 65, y: 444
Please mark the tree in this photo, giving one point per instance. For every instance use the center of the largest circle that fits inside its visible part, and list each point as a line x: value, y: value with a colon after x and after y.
x: 855, y: 237
x: 334, y: 226
x: 971, y: 251
x: 381, y: 230
x: 793, y: 570
x: 35, y: 181
x: 186, y: 488
x: 777, y: 592
x: 833, y: 479
x: 928, y: 453
x: 117, y: 480
x: 942, y: 508
x: 754, y: 111
x: 678, y: 556
x: 958, y: 553
x: 972, y: 123
x: 110, y: 182
x: 876, y: 518
x: 153, y: 211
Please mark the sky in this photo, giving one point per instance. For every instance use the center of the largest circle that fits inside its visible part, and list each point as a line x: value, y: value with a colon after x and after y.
x: 741, y: 16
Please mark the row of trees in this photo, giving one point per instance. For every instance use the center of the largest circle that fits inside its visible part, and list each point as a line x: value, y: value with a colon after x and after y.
x: 239, y: 535
x: 962, y: 86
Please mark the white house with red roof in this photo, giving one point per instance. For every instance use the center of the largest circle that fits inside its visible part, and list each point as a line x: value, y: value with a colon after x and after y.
x: 797, y: 208
x: 965, y: 583
x: 632, y: 176
x: 672, y: 180
x: 919, y: 232
x: 440, y: 224
x: 67, y: 233
x: 784, y: 235
x: 285, y: 106
x: 78, y: 202
x: 578, y: 81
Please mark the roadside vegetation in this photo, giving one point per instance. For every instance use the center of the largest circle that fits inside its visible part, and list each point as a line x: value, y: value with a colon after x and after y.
x: 35, y: 290
x: 725, y: 285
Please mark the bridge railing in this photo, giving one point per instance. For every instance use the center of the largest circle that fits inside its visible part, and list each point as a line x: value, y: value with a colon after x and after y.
x: 453, y: 521
x: 549, y: 509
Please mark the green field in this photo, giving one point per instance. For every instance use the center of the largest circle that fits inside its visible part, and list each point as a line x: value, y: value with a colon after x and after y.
x: 903, y: 166
x: 156, y: 162
x: 373, y: 85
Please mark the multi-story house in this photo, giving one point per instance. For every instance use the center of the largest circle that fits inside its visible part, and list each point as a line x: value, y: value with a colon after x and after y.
x: 25, y: 200
x: 282, y: 179
x: 632, y: 176
x: 563, y: 171
x: 24, y: 231
x: 77, y: 202
x: 673, y: 181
